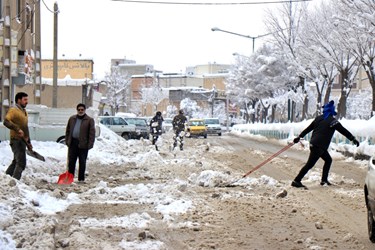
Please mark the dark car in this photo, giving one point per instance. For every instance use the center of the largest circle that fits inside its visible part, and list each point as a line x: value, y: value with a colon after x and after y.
x: 370, y: 198
x: 142, y: 129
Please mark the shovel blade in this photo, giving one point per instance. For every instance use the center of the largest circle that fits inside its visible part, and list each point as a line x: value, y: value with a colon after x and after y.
x: 66, y: 178
x: 35, y: 154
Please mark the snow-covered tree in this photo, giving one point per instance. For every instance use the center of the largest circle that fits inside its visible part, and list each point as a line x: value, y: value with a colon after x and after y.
x: 358, y: 18
x: 283, y: 25
x: 314, y: 67
x: 236, y: 86
x: 118, y: 85
x: 171, y: 111
x: 330, y: 46
x: 359, y: 105
x: 154, y: 94
x: 256, y: 79
x: 190, y: 107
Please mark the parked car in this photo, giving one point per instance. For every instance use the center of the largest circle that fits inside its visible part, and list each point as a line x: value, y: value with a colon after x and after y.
x: 167, y: 125
x: 47, y: 124
x: 369, y: 190
x: 142, y: 129
x: 213, y: 126
x: 196, y: 127
x: 118, y: 125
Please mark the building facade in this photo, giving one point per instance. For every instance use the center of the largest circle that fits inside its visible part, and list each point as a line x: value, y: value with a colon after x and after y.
x: 74, y: 83
x: 20, y: 50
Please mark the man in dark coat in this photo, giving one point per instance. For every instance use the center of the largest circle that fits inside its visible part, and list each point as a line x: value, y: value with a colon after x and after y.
x: 80, y: 138
x: 156, y: 128
x: 179, y: 129
x: 323, y: 127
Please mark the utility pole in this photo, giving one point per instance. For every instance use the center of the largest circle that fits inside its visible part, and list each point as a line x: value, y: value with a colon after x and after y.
x: 55, y: 29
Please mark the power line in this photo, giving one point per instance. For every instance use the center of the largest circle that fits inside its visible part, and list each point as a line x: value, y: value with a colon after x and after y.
x: 49, y: 8
x: 206, y: 3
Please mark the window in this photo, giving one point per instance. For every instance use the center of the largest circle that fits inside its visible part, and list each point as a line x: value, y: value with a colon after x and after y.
x: 1, y: 9
x: 118, y: 121
x: 105, y: 121
x: 18, y: 9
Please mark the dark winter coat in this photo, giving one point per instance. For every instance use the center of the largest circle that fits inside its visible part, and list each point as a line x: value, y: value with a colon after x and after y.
x: 156, y: 125
x: 86, y: 134
x: 179, y: 122
x: 323, y: 130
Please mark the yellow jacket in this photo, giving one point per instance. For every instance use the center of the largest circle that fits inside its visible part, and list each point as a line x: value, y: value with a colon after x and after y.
x: 16, y: 119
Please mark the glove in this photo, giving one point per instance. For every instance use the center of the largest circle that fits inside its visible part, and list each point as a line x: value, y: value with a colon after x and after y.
x: 296, y: 140
x: 356, y: 142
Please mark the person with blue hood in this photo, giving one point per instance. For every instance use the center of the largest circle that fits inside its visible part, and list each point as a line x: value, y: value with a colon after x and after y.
x: 323, y: 127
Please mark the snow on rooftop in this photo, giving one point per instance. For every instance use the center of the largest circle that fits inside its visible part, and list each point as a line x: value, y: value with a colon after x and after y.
x: 67, y: 81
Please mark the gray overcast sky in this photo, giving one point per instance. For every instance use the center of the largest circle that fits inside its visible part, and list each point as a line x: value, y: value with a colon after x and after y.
x: 170, y: 37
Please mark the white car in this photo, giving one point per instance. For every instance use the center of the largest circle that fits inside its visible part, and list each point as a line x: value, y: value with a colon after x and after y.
x: 369, y: 190
x: 167, y: 125
x: 213, y: 126
x: 118, y: 125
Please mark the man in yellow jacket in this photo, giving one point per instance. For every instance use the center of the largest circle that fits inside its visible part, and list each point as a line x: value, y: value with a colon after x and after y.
x: 16, y: 120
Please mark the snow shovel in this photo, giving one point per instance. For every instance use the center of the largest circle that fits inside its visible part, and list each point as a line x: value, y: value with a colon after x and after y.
x: 269, y: 159
x: 263, y: 163
x: 67, y: 177
x: 35, y: 154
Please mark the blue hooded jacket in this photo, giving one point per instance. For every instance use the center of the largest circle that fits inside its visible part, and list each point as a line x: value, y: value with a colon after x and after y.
x: 329, y: 110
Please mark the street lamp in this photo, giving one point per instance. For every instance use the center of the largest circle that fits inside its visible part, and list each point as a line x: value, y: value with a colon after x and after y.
x: 240, y: 55
x: 237, y: 34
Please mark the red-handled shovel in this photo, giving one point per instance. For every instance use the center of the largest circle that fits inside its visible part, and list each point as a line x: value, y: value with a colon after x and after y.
x: 262, y: 163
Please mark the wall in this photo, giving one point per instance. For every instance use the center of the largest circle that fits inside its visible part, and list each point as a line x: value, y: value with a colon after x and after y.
x: 67, y: 96
x: 76, y: 68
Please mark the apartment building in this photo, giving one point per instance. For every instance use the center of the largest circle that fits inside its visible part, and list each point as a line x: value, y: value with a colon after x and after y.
x: 20, y: 50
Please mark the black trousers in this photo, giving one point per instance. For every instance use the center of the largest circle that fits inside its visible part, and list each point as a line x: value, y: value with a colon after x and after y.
x: 75, y: 153
x: 315, y: 154
x: 155, y: 137
x: 18, y: 164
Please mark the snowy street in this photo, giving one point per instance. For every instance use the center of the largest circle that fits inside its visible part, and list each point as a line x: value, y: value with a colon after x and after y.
x: 138, y: 198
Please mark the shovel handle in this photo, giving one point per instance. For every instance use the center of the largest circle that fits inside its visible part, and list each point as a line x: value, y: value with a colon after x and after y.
x: 269, y: 159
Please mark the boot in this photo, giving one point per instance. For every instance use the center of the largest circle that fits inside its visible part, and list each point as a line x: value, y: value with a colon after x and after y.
x: 298, y: 184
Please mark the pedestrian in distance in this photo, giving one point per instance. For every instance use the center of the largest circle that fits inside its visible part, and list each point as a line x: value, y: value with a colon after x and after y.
x: 156, y: 128
x: 17, y: 121
x: 323, y: 127
x: 178, y: 123
x: 80, y: 138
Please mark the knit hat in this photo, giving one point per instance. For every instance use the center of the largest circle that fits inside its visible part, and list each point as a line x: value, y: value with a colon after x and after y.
x: 329, y: 110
